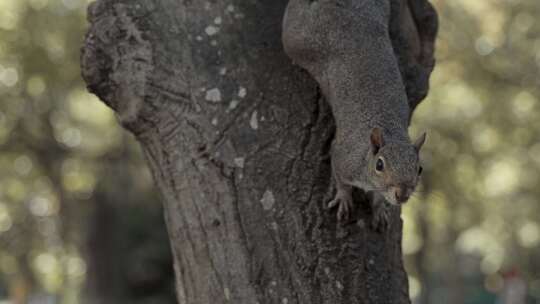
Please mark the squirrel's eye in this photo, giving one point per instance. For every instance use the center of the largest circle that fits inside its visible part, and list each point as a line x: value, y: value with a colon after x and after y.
x: 379, y: 166
x: 420, y: 169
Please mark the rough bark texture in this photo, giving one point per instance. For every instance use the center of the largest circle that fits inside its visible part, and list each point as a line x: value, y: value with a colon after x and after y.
x: 237, y: 138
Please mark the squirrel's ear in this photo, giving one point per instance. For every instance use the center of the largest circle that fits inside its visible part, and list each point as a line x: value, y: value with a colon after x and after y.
x: 420, y: 142
x: 377, y: 140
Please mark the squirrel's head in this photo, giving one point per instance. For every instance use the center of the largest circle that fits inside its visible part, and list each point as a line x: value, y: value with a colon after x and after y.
x: 394, y: 167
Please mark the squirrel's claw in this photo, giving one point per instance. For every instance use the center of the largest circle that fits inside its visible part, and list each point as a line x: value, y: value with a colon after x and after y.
x: 331, y: 204
x: 344, y: 203
x: 344, y: 210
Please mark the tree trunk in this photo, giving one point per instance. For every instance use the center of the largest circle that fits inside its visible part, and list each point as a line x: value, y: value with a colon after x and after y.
x: 237, y: 138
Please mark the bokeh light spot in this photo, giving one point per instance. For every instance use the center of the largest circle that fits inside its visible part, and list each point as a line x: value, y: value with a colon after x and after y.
x: 502, y: 178
x: 414, y: 287
x: 484, y: 138
x: 529, y: 235
x: 76, y: 267
x: 9, y: 14
x: 9, y: 76
x: 483, y: 46
x: 23, y: 165
x: 492, y: 262
x: 40, y: 206
x: 523, y: 104
x: 35, y: 86
x: 5, y: 219
x: 71, y: 137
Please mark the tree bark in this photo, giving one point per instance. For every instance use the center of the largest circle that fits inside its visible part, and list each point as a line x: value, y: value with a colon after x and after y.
x: 237, y: 138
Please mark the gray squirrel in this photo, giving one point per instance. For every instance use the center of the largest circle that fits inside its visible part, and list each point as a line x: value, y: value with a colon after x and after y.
x: 345, y: 46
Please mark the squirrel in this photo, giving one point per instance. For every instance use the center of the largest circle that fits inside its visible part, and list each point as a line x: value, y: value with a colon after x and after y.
x: 345, y: 45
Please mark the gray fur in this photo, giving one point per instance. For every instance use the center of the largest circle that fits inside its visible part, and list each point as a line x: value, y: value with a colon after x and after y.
x: 345, y: 45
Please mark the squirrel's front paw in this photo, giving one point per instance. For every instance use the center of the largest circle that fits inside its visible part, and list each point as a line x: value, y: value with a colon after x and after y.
x: 344, y: 202
x: 381, y: 217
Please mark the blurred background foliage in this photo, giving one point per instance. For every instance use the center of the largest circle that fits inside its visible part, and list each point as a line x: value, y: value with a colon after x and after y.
x: 79, y: 218
x: 473, y: 234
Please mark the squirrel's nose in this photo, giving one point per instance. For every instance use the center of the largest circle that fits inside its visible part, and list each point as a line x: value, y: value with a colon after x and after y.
x: 402, y: 195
